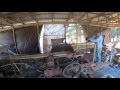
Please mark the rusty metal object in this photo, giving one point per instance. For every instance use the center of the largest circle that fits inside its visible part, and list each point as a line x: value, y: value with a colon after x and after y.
x: 91, y: 76
x: 83, y: 75
x: 57, y: 41
x: 54, y: 72
x: 72, y: 70
x: 50, y: 60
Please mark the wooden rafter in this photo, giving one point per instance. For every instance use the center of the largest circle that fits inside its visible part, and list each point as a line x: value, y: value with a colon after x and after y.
x: 33, y: 16
x: 103, y: 14
x: 16, y: 14
x: 53, y: 15
x: 22, y: 20
x: 73, y: 16
x: 99, y: 14
x: 82, y: 16
x: 10, y: 24
x: 71, y: 13
x: 1, y: 25
x: 6, y: 18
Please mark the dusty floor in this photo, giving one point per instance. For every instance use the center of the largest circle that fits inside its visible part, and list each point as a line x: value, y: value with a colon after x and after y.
x: 115, y: 72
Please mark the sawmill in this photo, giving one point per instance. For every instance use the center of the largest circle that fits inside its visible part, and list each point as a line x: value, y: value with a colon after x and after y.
x: 59, y: 45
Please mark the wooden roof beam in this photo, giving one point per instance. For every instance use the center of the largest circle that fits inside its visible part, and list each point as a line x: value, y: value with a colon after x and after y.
x: 53, y: 14
x: 101, y: 14
x: 10, y: 24
x: 22, y: 20
x: 73, y: 16
x: 6, y: 18
x: 71, y: 13
x: 1, y: 25
x: 82, y: 16
x: 33, y: 16
x: 16, y: 14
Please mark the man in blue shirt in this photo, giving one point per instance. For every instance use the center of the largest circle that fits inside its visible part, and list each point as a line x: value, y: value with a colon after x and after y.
x: 97, y: 39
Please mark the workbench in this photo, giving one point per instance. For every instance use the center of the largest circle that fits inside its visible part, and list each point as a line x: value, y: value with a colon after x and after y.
x: 83, y: 45
x: 39, y: 56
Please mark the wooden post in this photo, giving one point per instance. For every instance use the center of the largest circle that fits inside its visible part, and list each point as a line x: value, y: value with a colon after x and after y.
x: 78, y: 35
x: 110, y: 33
x: 14, y: 39
x: 86, y: 35
x: 38, y: 34
x: 65, y: 32
x: 86, y: 40
x: 93, y: 64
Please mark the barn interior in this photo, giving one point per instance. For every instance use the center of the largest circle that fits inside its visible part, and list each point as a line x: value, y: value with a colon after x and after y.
x: 55, y: 45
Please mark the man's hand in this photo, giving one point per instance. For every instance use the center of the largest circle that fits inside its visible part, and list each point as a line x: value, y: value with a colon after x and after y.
x: 89, y: 41
x: 87, y: 38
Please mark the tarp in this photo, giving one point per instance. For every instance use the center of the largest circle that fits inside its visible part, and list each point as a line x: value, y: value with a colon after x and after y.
x: 26, y: 39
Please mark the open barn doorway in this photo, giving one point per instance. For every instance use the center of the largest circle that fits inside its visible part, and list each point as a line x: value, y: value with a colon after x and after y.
x: 115, y: 34
x: 71, y: 34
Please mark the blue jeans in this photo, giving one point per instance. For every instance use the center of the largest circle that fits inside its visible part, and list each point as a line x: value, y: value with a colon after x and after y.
x: 97, y: 56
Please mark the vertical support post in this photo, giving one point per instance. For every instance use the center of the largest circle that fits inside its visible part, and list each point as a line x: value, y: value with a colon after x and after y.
x: 110, y: 34
x: 65, y: 32
x: 78, y: 34
x: 77, y: 37
x: 87, y: 35
x: 94, y: 53
x: 38, y: 36
x: 14, y: 39
x: 86, y: 40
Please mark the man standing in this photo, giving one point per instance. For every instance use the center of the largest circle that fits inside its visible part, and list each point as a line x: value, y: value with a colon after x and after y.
x: 97, y: 39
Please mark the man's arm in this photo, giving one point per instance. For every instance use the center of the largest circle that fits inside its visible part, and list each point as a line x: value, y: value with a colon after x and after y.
x: 95, y: 39
x: 91, y: 38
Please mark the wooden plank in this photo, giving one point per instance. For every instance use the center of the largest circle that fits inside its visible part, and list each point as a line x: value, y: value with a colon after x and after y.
x: 37, y: 56
x: 83, y: 45
x: 39, y: 23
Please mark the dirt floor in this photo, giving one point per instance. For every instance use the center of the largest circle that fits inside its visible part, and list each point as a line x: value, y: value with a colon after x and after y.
x: 104, y: 69
x: 107, y: 70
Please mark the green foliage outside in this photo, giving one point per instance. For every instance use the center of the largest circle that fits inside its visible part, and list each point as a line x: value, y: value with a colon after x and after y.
x: 71, y: 33
x: 115, y: 34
